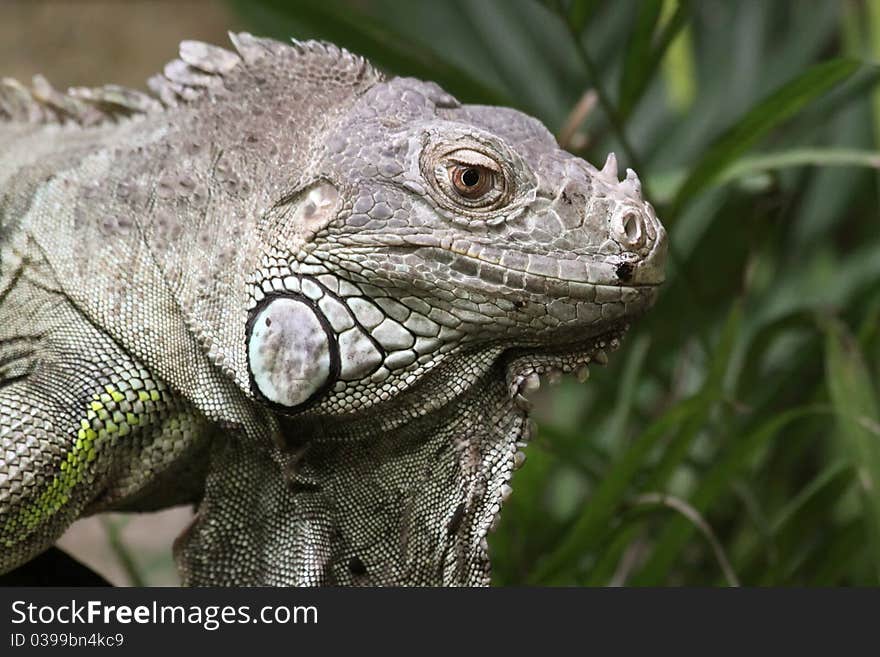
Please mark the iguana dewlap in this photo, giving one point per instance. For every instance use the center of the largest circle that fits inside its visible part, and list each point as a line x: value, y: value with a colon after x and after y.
x: 301, y: 295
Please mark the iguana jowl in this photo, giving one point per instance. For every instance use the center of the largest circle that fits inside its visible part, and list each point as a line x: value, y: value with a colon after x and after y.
x: 303, y: 296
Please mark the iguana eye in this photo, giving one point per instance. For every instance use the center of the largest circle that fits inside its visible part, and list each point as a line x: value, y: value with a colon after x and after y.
x: 471, y: 179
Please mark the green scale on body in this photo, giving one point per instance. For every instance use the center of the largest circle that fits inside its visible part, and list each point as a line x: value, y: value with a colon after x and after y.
x: 133, y: 403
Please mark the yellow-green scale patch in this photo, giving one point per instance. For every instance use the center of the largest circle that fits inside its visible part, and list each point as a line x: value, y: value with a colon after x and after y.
x: 110, y: 414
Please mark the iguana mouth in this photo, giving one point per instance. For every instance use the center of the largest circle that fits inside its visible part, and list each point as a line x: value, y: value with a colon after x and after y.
x: 588, y: 268
x: 558, y: 274
x: 527, y: 369
x: 576, y: 279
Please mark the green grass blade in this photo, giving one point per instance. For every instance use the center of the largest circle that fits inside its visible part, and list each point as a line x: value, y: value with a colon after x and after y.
x: 633, y: 369
x: 855, y: 399
x: 799, y: 157
x: 586, y: 531
x: 123, y: 553
x: 651, y: 38
x: 697, y: 521
x: 718, y: 479
x: 784, y: 103
x: 837, y: 558
x: 613, y: 550
x: 666, y: 186
x: 690, y: 415
x: 638, y: 63
x: 825, y: 479
x: 710, y: 394
x: 580, y: 13
x: 769, y: 560
x: 873, y: 12
x: 679, y: 68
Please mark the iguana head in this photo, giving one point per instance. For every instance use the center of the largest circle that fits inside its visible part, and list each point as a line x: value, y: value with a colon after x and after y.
x: 429, y: 230
x: 418, y: 264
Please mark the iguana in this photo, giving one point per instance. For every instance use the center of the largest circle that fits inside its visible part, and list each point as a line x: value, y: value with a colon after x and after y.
x: 308, y: 298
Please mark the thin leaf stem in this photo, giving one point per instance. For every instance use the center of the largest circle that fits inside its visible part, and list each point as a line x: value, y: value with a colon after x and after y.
x: 697, y: 519
x: 122, y: 553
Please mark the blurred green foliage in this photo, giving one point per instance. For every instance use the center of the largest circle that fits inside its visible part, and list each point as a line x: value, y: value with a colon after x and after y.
x: 736, y: 437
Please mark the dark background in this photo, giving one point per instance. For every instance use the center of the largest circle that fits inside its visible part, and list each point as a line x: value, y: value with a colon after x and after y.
x: 736, y: 437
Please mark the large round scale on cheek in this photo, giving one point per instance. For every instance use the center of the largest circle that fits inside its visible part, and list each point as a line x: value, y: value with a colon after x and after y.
x: 288, y: 352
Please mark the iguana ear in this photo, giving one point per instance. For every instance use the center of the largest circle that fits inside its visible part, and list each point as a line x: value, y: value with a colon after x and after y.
x: 409, y: 505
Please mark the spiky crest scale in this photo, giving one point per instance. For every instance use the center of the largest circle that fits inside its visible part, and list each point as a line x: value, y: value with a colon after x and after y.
x: 201, y: 66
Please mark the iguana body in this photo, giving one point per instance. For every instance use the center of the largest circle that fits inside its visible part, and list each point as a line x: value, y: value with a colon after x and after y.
x: 302, y: 296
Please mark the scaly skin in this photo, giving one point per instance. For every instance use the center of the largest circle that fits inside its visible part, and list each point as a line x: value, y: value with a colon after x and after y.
x: 306, y: 298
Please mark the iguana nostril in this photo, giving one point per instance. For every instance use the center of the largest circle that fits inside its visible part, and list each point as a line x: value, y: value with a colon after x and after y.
x: 628, y: 228
x: 631, y: 226
x: 624, y: 271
